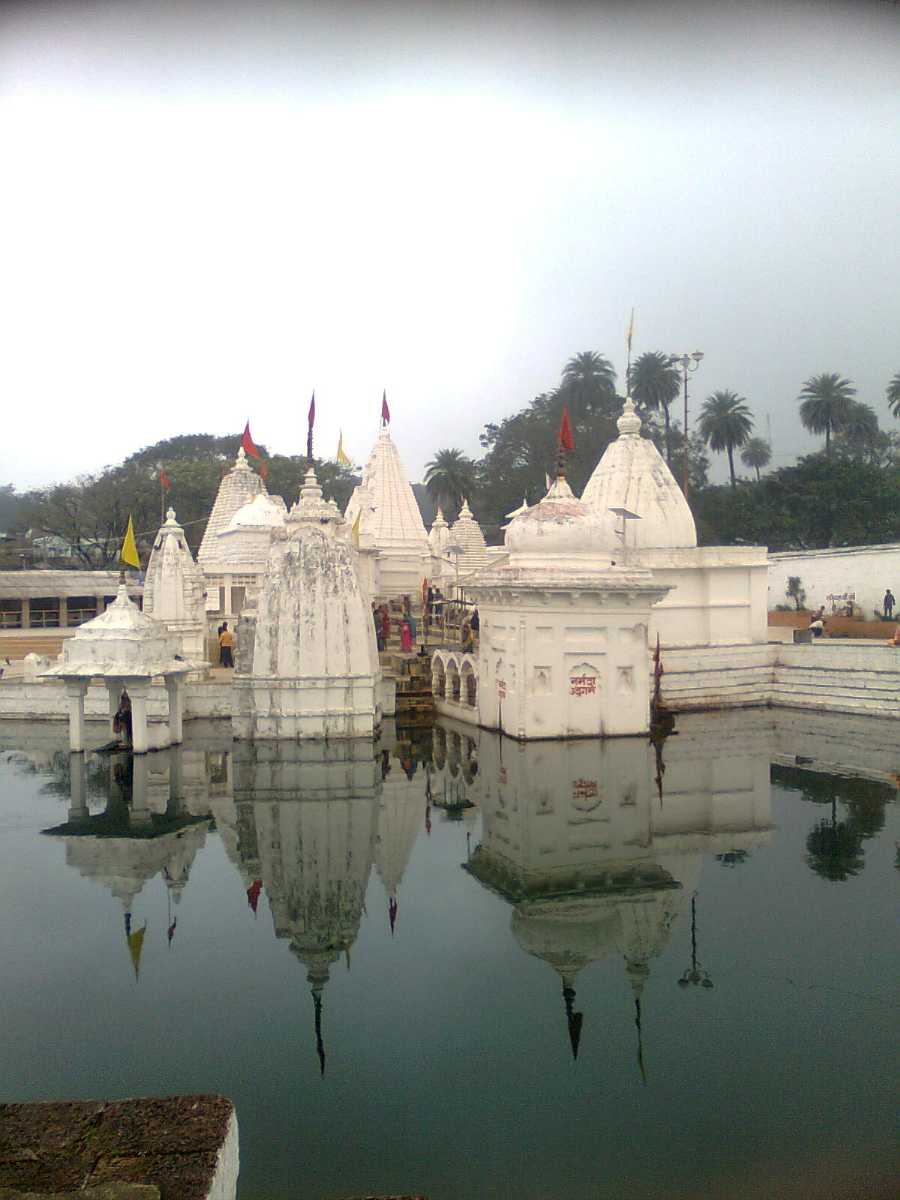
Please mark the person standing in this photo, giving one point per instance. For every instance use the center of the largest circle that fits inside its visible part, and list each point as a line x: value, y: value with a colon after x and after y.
x: 405, y: 637
x: 888, y: 605
x: 376, y: 619
x: 226, y: 647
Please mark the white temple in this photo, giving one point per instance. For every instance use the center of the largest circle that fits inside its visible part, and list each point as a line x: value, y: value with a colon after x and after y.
x: 389, y: 520
x: 717, y: 594
x: 233, y: 564
x: 307, y: 663
x: 127, y: 650
x: 563, y: 650
x: 467, y: 540
x: 174, y: 589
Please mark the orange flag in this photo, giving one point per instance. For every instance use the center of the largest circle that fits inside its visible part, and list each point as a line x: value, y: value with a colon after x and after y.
x: 248, y: 443
x: 566, y: 440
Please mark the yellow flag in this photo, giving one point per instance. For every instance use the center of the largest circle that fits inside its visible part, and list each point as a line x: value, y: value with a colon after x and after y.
x: 135, y: 946
x: 630, y: 334
x: 341, y: 456
x: 129, y: 554
x: 354, y: 532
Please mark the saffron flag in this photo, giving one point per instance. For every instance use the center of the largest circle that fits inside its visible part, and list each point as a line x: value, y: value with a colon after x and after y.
x: 630, y: 332
x: 566, y: 441
x: 135, y: 946
x: 385, y: 411
x: 311, y: 416
x: 164, y: 481
x: 253, y: 893
x: 263, y: 471
x: 341, y: 456
x: 248, y: 443
x: 129, y: 554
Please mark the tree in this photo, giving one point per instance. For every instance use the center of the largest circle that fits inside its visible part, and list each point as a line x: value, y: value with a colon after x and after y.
x: 726, y: 424
x: 859, y: 434
x: 450, y: 478
x: 825, y: 404
x: 834, y: 849
x: 756, y: 454
x: 795, y: 591
x: 893, y: 395
x: 589, y: 384
x: 655, y: 384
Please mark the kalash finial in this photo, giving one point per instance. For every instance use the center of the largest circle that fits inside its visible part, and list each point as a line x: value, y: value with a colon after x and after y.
x: 629, y: 424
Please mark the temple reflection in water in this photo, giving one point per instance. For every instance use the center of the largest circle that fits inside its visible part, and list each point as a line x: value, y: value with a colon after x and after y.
x: 597, y: 846
x: 597, y: 856
x: 701, y: 916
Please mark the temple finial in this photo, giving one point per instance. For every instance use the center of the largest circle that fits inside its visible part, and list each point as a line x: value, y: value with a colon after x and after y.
x: 574, y: 1020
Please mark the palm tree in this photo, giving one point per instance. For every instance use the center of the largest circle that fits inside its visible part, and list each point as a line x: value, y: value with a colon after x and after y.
x: 825, y: 403
x: 893, y: 395
x: 756, y: 454
x: 449, y: 477
x: 655, y: 384
x: 591, y: 379
x: 859, y: 429
x: 726, y: 424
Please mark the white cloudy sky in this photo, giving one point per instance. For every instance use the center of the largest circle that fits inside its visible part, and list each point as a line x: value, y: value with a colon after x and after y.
x: 210, y: 209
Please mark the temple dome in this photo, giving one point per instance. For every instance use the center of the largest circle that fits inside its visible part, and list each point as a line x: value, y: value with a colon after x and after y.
x: 237, y: 488
x: 560, y: 527
x: 632, y: 474
x: 260, y: 512
x: 465, y: 533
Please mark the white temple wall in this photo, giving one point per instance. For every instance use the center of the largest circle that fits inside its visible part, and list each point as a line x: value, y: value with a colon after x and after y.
x: 862, y: 571
x: 718, y: 595
x: 399, y: 573
x: 554, y: 672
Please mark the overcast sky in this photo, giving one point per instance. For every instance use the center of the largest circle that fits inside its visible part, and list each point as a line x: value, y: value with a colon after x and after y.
x: 208, y: 210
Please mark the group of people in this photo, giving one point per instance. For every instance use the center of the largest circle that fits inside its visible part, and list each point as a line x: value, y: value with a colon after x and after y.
x: 381, y: 617
x: 817, y: 622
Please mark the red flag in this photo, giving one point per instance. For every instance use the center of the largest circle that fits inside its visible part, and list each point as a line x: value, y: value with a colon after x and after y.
x: 263, y: 471
x: 312, y: 411
x: 248, y: 443
x: 385, y: 411
x: 253, y: 893
x: 164, y: 481
x: 566, y: 441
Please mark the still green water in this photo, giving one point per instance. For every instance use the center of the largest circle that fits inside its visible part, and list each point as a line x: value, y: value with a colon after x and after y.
x: 713, y: 930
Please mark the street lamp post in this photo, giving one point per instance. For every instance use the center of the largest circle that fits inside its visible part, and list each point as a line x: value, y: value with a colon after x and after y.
x: 687, y: 364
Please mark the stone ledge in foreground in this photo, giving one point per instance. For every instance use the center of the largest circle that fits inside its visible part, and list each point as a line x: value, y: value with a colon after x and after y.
x: 178, y: 1147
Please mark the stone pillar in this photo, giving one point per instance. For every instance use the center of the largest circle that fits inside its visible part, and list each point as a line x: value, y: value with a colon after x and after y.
x: 175, y: 690
x: 176, y: 784
x: 140, y: 696
x: 78, y: 809
x: 100, y: 602
x: 75, y: 693
x: 26, y: 613
x: 63, y: 612
x: 114, y: 691
x: 141, y: 817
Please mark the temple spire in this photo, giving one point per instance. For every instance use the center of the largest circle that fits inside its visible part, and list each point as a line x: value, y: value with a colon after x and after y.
x: 574, y: 1020
x: 317, y: 1009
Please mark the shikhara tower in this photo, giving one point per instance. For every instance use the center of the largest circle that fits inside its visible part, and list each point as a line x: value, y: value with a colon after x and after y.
x: 389, y: 519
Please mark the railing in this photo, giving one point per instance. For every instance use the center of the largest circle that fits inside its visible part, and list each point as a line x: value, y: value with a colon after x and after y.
x: 10, y: 620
